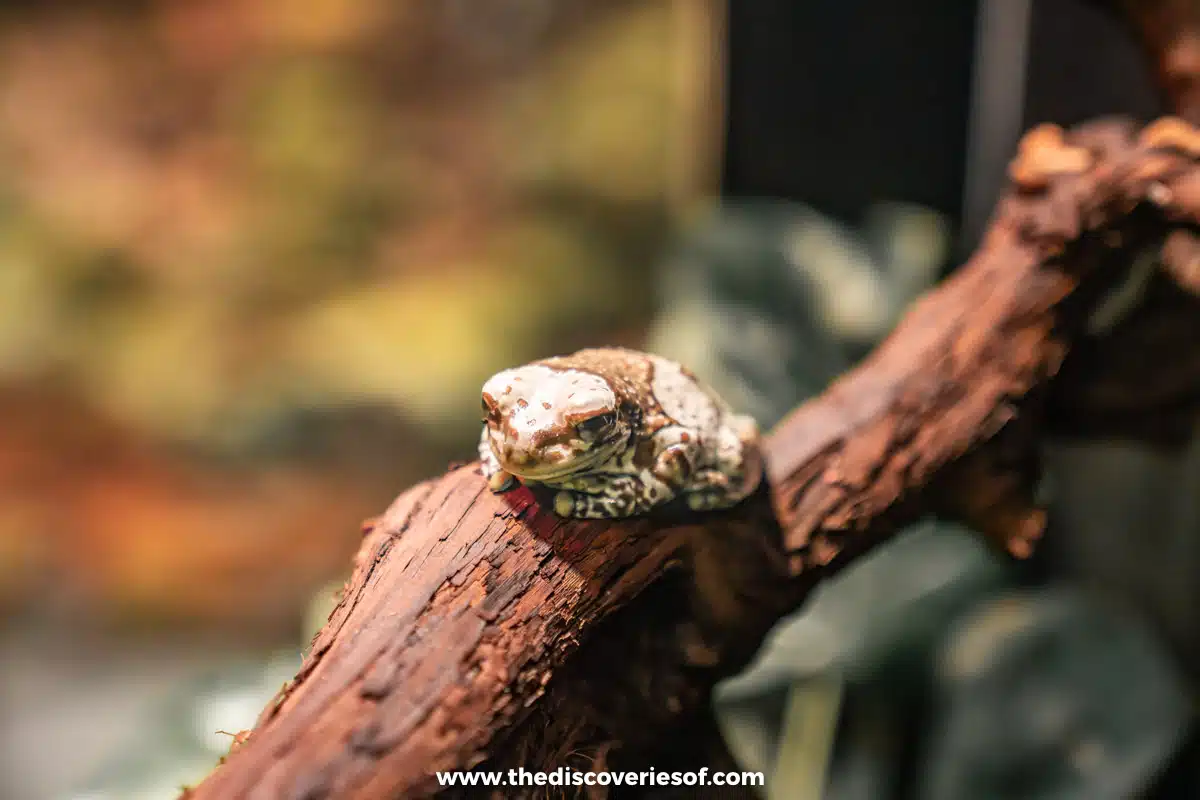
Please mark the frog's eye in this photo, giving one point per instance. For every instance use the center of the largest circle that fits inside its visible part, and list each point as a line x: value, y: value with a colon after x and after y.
x: 596, y: 425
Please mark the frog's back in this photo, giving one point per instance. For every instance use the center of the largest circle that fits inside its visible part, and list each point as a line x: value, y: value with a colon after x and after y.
x: 655, y: 384
x: 627, y: 371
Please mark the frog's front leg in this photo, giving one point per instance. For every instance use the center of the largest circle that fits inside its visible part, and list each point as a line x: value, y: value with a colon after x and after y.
x: 497, y: 478
x: 607, y: 496
x: 678, y: 453
x: 736, y: 473
x: 711, y: 489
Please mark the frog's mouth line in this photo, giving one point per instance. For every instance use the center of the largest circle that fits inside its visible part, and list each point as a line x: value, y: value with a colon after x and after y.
x: 549, y: 472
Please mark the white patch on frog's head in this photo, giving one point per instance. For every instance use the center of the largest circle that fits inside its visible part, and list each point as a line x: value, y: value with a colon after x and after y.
x: 546, y: 423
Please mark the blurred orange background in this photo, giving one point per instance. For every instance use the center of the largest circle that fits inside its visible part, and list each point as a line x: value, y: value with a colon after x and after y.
x: 255, y: 259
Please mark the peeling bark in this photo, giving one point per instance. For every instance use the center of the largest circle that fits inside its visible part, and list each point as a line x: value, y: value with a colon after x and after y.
x: 480, y: 629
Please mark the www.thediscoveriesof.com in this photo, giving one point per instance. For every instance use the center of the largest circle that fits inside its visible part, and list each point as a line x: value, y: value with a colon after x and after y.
x: 565, y: 776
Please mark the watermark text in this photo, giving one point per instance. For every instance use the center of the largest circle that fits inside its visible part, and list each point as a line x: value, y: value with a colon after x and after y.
x: 565, y: 776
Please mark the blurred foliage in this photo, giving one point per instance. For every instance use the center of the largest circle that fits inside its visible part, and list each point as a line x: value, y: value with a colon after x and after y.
x: 273, y: 249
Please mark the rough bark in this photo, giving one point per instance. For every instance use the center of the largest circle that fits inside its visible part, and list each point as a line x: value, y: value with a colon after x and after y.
x: 479, y: 629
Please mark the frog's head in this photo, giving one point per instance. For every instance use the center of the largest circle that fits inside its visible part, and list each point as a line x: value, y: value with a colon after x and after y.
x: 545, y: 423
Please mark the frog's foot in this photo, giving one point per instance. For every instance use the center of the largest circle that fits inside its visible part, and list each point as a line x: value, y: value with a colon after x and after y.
x: 498, y: 480
x: 673, y: 466
x: 710, y: 500
x: 713, y: 489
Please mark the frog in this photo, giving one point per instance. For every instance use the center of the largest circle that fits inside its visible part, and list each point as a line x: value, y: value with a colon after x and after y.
x: 616, y: 433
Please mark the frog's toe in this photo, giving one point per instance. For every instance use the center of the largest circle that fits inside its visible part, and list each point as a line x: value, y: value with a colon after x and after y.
x: 713, y: 481
x: 564, y: 504
x: 672, y: 466
x: 713, y: 489
x: 710, y: 500
x: 500, y: 481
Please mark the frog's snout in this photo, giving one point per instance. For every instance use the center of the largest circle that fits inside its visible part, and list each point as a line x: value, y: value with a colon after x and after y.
x: 512, y: 454
x: 535, y: 462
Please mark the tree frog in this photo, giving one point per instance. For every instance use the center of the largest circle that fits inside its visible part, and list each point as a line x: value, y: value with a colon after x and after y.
x: 618, y: 433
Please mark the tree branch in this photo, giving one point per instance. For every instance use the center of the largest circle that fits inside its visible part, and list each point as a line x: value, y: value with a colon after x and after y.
x: 479, y: 629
